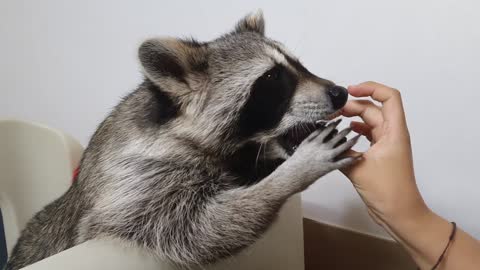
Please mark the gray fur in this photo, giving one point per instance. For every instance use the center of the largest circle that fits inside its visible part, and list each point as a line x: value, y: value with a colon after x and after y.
x: 163, y: 180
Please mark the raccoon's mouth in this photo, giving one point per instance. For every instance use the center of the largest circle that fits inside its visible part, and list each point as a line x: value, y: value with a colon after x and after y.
x: 294, y: 136
x: 291, y: 139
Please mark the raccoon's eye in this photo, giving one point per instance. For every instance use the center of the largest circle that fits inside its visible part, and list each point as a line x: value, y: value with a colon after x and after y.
x: 273, y: 74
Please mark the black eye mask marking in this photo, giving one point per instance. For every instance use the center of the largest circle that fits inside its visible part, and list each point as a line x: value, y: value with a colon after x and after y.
x: 269, y: 100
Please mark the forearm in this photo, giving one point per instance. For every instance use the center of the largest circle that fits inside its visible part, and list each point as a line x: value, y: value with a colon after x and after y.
x: 426, y: 237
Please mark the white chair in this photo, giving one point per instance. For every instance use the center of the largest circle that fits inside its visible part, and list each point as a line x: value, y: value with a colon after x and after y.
x: 36, y: 165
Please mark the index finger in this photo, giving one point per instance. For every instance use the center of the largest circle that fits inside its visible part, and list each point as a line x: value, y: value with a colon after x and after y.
x: 390, y: 98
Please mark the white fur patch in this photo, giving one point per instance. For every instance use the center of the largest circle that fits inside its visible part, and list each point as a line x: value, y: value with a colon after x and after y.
x: 276, y: 55
x: 279, y: 57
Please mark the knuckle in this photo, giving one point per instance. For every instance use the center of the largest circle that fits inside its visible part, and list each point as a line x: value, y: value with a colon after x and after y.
x: 396, y: 93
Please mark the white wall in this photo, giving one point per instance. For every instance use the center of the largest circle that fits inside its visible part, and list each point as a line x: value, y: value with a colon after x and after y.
x: 66, y: 64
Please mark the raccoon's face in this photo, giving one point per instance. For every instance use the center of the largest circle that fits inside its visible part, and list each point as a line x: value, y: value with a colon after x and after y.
x: 242, y: 87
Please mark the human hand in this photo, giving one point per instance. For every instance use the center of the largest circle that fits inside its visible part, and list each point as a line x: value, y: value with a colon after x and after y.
x: 384, y: 178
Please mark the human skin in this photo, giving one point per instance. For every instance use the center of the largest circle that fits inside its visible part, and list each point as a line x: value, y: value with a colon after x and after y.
x: 385, y: 180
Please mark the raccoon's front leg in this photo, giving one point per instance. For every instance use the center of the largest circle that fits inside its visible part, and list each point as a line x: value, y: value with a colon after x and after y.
x: 236, y: 218
x: 182, y: 223
x: 316, y: 156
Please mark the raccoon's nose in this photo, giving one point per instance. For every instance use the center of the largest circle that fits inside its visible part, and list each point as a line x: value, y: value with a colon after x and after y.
x: 338, y: 95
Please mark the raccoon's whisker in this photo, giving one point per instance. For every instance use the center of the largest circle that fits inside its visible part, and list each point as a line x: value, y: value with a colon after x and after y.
x: 258, y: 154
x: 264, y: 153
x: 304, y: 127
x: 300, y: 130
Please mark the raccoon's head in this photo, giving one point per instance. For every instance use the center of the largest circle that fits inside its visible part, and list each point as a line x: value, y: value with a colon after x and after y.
x: 242, y: 87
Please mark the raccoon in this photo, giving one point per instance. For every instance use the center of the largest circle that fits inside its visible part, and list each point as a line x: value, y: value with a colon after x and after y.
x: 196, y: 162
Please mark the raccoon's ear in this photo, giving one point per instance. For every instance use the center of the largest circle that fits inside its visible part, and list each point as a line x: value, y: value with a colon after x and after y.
x: 253, y: 22
x: 169, y: 62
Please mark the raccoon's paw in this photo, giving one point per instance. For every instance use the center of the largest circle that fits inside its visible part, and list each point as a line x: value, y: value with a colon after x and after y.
x: 320, y: 153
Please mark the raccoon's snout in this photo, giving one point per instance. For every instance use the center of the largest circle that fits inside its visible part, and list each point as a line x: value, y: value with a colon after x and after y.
x: 338, y: 95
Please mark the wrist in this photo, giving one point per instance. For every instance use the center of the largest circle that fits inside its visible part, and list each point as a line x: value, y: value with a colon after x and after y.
x: 408, y: 216
x: 424, y: 236
x: 408, y: 219
x: 407, y: 224
x: 404, y: 208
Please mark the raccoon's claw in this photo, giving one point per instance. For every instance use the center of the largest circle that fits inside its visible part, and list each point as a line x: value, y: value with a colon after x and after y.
x: 325, y: 132
x: 322, y: 151
x: 344, y: 147
x: 340, y: 137
x: 294, y: 137
x: 347, y: 161
x: 321, y: 123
